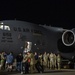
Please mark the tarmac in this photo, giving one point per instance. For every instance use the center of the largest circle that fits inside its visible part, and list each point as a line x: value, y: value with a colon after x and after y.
x: 46, y: 72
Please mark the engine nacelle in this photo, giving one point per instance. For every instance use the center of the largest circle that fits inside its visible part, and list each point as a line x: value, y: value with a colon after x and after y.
x: 68, y: 38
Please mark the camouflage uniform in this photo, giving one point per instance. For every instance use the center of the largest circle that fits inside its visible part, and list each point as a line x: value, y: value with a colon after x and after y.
x: 51, y: 60
x: 55, y: 61
x: 2, y: 60
x: 58, y: 61
x: 48, y: 61
x: 45, y: 59
x: 32, y: 63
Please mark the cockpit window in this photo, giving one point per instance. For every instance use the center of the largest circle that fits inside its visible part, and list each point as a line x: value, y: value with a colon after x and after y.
x: 4, y: 27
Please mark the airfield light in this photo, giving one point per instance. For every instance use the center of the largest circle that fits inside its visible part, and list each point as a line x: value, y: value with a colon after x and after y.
x: 35, y: 44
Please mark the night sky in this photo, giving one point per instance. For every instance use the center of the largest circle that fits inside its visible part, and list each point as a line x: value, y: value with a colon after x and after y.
x: 57, y: 13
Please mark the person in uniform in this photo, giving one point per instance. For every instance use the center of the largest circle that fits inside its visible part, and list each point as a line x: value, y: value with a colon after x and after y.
x: 45, y: 59
x: 58, y: 61
x: 32, y: 63
x: 51, y: 60
x: 55, y: 61
x: 2, y: 60
x: 48, y: 60
x: 73, y: 61
x: 28, y: 62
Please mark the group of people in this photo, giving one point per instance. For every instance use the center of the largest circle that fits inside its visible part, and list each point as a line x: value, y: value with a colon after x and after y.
x: 6, y: 61
x: 29, y: 62
x: 51, y: 60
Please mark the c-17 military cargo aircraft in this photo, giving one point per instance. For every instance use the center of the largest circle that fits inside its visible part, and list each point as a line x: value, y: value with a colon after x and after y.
x: 17, y: 36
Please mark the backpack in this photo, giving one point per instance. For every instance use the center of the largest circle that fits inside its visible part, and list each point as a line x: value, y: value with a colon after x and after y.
x: 29, y: 60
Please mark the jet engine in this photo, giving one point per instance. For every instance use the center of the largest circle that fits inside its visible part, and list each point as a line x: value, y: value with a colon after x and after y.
x: 66, y: 44
x: 68, y: 38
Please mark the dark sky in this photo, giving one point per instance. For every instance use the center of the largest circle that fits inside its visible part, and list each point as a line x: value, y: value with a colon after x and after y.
x: 60, y: 13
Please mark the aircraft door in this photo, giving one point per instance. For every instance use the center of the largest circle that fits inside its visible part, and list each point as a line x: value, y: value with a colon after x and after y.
x: 28, y: 46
